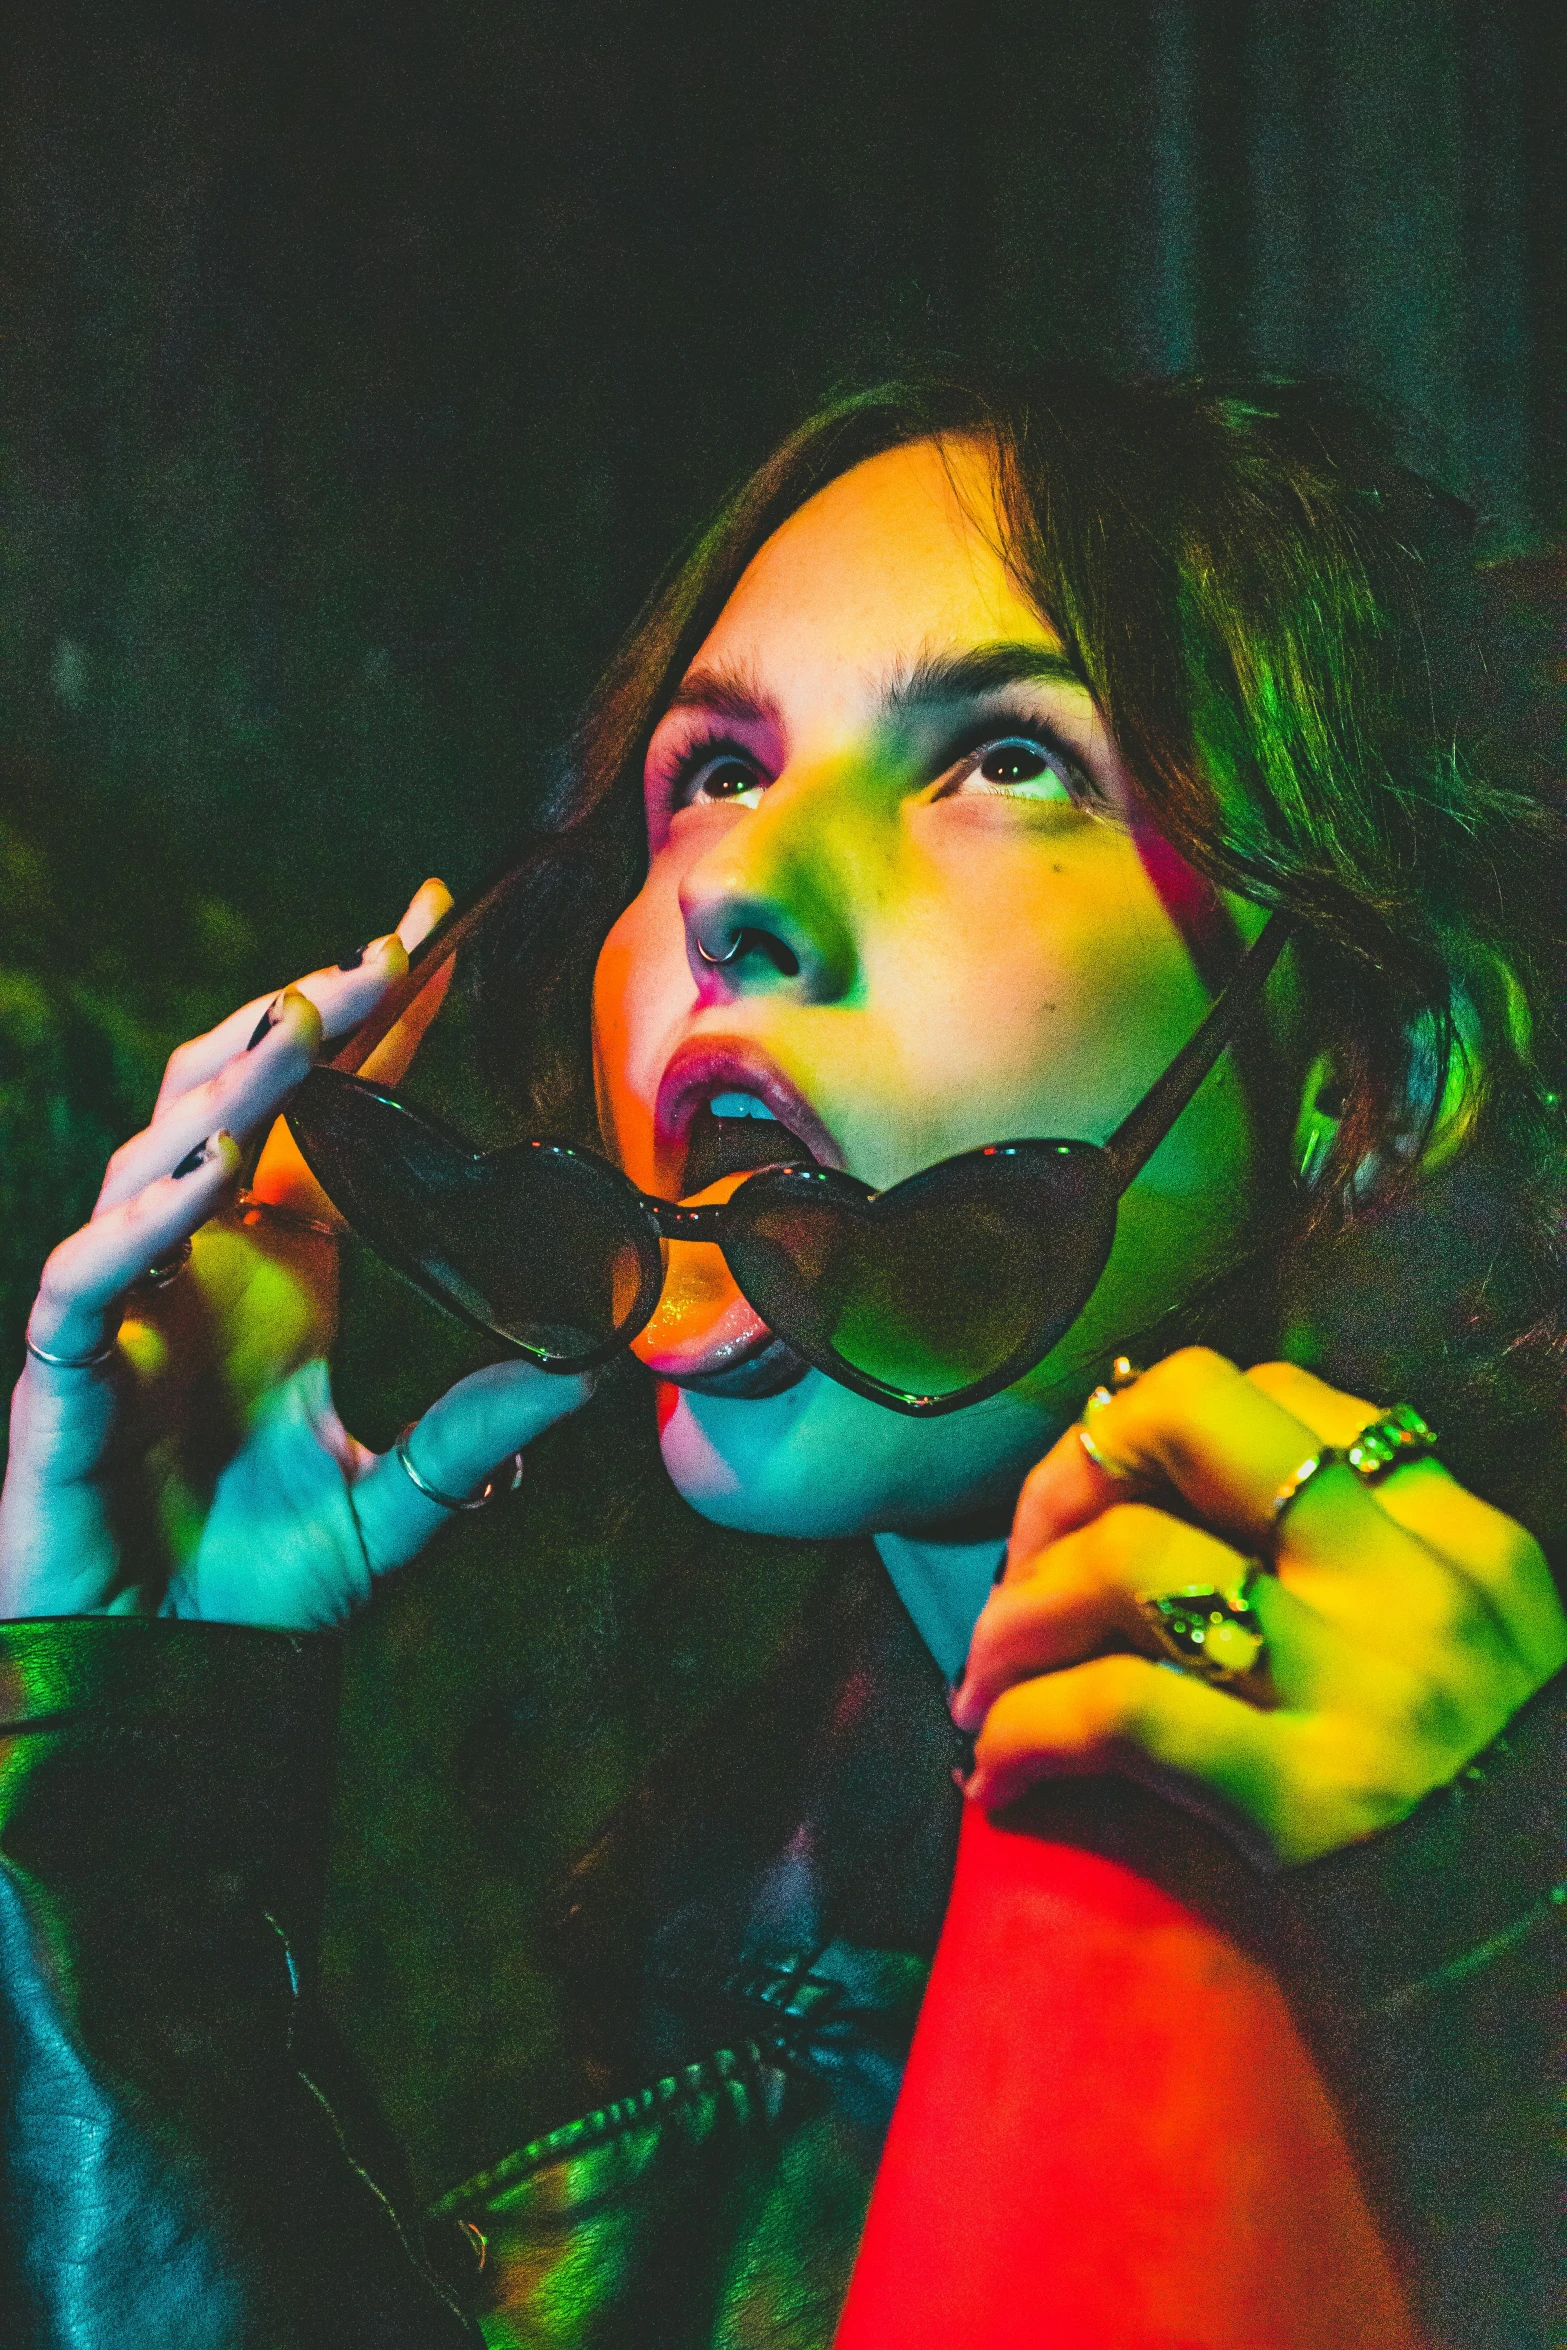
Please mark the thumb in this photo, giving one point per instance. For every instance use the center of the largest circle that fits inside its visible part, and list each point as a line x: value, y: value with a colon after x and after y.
x: 471, y: 1432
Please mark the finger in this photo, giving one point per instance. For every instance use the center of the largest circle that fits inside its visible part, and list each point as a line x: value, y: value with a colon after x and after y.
x: 82, y: 1291
x: 282, y: 1177
x: 1079, y: 1598
x: 1226, y: 1448
x: 1084, y: 1599
x: 343, y: 993
x: 431, y: 902
x: 1203, y: 1428
x: 244, y: 1094
x: 1309, y: 1784
x: 1478, y: 1540
x: 460, y: 1441
x: 1061, y: 1492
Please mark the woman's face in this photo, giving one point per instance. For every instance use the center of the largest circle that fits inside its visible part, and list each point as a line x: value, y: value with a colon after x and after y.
x: 879, y: 775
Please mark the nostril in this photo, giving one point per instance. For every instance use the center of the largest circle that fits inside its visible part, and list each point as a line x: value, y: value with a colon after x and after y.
x: 783, y: 958
x: 749, y: 941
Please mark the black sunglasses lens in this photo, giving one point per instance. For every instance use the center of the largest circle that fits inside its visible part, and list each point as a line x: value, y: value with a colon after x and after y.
x: 540, y: 1244
x: 939, y: 1284
x: 545, y: 1241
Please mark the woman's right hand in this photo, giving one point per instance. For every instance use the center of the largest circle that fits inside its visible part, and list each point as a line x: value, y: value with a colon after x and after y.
x: 201, y: 1469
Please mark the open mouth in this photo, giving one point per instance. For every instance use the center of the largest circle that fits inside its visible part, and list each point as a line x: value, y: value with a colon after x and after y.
x: 724, y: 1110
x: 734, y: 1133
x: 725, y: 1107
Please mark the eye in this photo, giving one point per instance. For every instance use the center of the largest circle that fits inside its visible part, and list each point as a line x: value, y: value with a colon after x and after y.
x: 710, y: 777
x: 1019, y: 768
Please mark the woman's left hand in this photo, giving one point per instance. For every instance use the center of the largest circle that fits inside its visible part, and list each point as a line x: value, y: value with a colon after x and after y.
x: 1406, y: 1622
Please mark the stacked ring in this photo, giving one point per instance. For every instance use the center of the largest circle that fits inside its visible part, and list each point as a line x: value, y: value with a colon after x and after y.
x: 1400, y: 1436
x: 1392, y: 1442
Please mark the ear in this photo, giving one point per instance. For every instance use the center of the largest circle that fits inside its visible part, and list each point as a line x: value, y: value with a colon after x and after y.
x: 1437, y: 1139
x: 1316, y: 1126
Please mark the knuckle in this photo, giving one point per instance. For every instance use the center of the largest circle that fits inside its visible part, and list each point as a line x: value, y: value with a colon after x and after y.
x: 1128, y: 1540
x: 1035, y: 1482
x: 1113, y: 1698
x: 1520, y: 1561
x: 56, y: 1285
x: 1424, y: 1719
x: 1194, y: 1367
x: 1284, y: 1383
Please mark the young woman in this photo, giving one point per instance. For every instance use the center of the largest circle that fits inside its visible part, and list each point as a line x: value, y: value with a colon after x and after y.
x: 946, y: 788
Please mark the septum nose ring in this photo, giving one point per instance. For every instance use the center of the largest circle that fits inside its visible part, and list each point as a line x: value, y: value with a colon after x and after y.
x: 728, y: 957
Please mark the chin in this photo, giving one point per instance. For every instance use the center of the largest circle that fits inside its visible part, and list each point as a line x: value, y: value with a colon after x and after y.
x: 820, y: 1463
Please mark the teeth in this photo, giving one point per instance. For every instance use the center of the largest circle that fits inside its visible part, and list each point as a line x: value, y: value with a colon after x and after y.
x: 739, y: 1105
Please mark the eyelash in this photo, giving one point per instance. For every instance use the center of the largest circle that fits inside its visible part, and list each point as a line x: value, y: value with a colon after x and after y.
x: 998, y: 733
x: 704, y: 753
x: 969, y: 747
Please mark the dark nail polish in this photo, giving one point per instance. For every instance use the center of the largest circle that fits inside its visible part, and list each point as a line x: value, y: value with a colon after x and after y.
x: 264, y: 1026
x: 353, y: 961
x: 192, y: 1160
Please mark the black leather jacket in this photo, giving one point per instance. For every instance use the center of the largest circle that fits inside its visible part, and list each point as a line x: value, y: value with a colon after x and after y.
x: 190, y: 2163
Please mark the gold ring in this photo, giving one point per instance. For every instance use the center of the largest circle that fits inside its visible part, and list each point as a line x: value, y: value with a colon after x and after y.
x: 1215, y: 1635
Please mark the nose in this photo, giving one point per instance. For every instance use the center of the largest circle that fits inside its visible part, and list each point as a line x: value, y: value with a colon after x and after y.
x: 766, y: 909
x: 764, y: 912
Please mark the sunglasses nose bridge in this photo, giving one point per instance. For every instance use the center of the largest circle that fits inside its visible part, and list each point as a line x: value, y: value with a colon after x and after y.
x: 679, y: 1223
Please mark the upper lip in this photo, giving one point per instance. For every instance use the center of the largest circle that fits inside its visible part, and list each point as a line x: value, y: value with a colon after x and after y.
x: 705, y: 1065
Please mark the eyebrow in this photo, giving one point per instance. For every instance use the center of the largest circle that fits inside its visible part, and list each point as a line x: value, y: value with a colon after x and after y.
x: 936, y: 679
x: 932, y: 681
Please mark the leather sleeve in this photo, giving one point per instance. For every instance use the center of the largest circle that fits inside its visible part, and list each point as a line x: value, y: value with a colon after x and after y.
x: 1434, y: 1958
x: 178, y: 2169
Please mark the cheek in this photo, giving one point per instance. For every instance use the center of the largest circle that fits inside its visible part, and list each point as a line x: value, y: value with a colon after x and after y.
x: 642, y: 987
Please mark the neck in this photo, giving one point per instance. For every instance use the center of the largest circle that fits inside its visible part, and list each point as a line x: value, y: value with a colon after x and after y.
x: 943, y: 1585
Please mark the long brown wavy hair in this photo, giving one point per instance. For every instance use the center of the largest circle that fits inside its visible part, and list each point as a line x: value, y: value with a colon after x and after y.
x: 1285, y: 629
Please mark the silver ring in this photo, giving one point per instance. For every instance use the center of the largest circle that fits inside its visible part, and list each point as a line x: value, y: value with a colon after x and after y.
x: 449, y: 1501
x: 715, y: 960
x: 96, y: 1362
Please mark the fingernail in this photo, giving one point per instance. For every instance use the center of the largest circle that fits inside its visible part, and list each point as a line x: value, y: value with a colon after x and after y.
x: 199, y: 1157
x: 1000, y: 1574
x: 353, y: 961
x: 267, y: 1022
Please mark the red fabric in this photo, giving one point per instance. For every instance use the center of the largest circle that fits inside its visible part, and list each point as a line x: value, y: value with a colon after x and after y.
x: 1110, y: 2137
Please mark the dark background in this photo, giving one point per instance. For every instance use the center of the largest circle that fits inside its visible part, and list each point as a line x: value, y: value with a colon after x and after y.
x: 364, y: 365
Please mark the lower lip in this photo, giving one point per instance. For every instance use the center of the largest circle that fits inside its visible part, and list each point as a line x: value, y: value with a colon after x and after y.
x: 773, y: 1369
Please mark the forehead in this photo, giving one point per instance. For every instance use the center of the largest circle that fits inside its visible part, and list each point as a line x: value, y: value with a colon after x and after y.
x: 899, y: 554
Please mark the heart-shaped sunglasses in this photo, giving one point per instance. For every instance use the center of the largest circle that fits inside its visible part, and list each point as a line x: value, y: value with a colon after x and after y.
x: 926, y: 1298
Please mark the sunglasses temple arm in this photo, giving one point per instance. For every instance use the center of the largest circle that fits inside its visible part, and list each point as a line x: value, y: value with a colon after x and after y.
x: 1138, y: 1136
x: 437, y: 947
